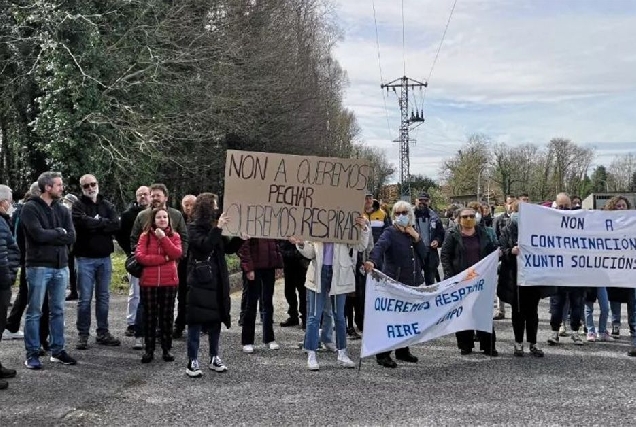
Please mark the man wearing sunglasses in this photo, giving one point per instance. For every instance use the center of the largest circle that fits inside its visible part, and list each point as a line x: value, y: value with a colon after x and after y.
x: 95, y: 223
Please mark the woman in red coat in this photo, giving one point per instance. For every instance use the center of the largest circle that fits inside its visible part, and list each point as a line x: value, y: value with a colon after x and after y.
x: 158, y: 250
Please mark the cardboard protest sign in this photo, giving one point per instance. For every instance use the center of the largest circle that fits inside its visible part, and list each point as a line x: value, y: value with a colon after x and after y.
x: 276, y: 196
x: 396, y: 315
x: 576, y: 248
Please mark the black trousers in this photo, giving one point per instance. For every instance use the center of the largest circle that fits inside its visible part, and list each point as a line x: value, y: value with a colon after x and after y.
x: 158, y: 306
x: 19, y: 306
x: 261, y: 288
x: 525, y: 314
x: 354, y: 305
x: 465, y: 340
x: 182, y: 295
x: 72, y: 274
x: 295, y: 293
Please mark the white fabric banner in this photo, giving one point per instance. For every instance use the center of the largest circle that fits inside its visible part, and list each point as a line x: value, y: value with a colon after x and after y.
x: 396, y: 315
x: 576, y: 248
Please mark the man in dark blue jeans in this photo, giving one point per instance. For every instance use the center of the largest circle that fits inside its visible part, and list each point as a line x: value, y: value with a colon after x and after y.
x: 48, y: 231
x: 95, y: 222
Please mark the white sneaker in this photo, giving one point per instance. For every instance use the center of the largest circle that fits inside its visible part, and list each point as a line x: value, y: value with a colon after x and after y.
x: 193, y: 370
x: 139, y: 344
x: 217, y: 365
x: 6, y: 335
x: 312, y: 361
x: 249, y: 349
x: 273, y: 345
x: 576, y: 339
x: 344, y: 360
x: 329, y: 346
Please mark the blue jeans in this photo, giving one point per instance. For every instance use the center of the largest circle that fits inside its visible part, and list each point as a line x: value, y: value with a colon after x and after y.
x: 194, y: 334
x: 326, y: 329
x: 631, y: 315
x: 316, y: 302
x: 93, y: 274
x: 603, y: 303
x: 40, y: 280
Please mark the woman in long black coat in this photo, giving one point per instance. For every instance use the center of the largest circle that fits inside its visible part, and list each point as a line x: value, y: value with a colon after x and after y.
x: 208, y: 280
x: 523, y: 299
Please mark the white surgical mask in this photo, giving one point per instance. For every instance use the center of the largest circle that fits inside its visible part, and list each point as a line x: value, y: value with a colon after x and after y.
x: 477, y: 218
x: 10, y: 210
x: 402, y: 220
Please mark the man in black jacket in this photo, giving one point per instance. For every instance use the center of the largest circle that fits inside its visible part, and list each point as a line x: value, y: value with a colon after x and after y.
x: 9, y: 263
x: 95, y: 222
x: 429, y: 225
x: 48, y: 232
x: 295, y: 270
x: 22, y: 298
x: 142, y: 196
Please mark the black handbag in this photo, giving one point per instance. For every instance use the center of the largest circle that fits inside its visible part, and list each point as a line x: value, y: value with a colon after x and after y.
x: 133, y: 267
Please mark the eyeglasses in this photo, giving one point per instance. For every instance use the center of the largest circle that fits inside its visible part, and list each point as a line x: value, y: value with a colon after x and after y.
x: 424, y: 200
x: 467, y: 216
x: 89, y: 185
x: 402, y: 213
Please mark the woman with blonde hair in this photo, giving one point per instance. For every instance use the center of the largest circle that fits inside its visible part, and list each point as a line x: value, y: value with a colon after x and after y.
x: 403, y: 253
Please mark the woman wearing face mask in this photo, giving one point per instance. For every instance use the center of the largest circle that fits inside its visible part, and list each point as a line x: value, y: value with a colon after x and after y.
x: 403, y: 251
x: 618, y: 296
x: 158, y: 250
x: 523, y: 299
x: 463, y: 247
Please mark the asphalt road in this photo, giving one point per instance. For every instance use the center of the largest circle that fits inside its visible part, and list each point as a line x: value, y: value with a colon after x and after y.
x: 589, y: 385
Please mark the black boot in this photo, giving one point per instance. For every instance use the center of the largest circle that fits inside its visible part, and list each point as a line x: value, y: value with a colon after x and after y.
x: 147, y: 357
x: 386, y: 361
x: 167, y: 356
x: 291, y: 321
x: 7, y: 373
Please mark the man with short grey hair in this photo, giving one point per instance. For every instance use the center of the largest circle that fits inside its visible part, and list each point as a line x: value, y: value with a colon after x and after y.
x: 95, y: 222
x: 48, y: 232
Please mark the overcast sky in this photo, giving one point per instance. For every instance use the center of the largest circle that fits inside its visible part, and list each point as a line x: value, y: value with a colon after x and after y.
x: 518, y: 71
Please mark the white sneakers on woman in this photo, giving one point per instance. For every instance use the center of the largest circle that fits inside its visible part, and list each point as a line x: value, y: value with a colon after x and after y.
x: 343, y: 360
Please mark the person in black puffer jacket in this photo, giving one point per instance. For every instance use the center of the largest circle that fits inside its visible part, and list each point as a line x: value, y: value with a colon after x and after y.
x: 9, y: 264
x: 208, y: 281
x: 523, y: 299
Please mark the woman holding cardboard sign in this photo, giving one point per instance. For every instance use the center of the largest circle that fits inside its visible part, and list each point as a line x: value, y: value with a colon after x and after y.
x: 330, y: 275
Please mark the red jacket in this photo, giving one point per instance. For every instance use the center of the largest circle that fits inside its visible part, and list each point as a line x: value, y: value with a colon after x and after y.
x: 152, y: 253
x: 260, y: 254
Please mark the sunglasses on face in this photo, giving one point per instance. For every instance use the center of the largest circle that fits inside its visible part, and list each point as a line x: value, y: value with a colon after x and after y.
x: 402, y: 213
x: 89, y: 185
x: 467, y: 216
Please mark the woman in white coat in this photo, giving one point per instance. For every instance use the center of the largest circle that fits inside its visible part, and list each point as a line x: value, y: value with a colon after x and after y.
x: 331, y: 274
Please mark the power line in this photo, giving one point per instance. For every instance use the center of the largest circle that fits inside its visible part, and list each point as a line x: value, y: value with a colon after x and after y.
x: 377, y: 43
x: 441, y: 42
x: 403, y: 41
x: 439, y: 48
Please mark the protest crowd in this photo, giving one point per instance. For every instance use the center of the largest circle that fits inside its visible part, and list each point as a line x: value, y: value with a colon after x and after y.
x: 176, y: 259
